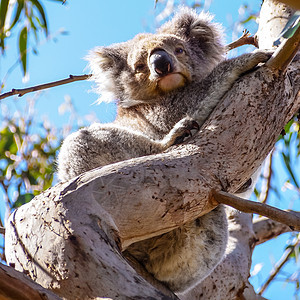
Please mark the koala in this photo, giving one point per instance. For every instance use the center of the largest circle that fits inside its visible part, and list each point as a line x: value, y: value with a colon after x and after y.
x: 165, y: 84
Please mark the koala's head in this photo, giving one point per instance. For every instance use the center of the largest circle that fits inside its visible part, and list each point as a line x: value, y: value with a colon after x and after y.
x: 141, y: 70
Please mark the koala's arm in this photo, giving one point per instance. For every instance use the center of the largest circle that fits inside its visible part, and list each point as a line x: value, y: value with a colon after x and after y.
x: 102, y: 144
x: 220, y: 80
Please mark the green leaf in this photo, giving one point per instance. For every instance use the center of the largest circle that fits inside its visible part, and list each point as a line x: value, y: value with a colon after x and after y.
x: 40, y: 8
x: 292, y: 25
x: 22, y: 199
x: 256, y: 192
x: 286, y: 159
x: 287, y: 127
x: 3, y: 11
x: 23, y: 48
x: 251, y: 17
x: 7, y: 142
x: 290, y: 28
x: 18, y: 13
x: 34, y: 27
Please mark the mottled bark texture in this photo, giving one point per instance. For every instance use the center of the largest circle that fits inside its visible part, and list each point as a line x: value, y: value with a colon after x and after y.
x: 69, y: 239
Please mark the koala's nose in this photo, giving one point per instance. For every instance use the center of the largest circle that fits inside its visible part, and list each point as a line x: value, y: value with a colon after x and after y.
x: 161, y: 62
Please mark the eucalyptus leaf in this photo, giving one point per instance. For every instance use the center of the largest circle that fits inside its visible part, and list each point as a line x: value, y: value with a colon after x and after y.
x: 290, y: 28
x: 17, y: 14
x: 23, y: 49
x: 3, y: 11
x: 22, y: 199
x: 40, y: 8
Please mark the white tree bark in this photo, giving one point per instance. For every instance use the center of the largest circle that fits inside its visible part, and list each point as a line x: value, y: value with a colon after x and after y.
x: 69, y: 239
x: 266, y: 229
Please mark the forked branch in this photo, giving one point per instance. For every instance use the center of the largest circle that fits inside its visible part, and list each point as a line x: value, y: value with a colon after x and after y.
x: 245, y: 39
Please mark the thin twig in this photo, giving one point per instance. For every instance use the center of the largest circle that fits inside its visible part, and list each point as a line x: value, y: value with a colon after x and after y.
x: 279, y: 61
x: 2, y: 230
x: 22, y: 92
x: 279, y: 265
x: 292, y: 219
x: 268, y: 172
x: 245, y: 39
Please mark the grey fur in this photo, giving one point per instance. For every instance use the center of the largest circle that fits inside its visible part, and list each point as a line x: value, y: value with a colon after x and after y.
x: 149, y: 121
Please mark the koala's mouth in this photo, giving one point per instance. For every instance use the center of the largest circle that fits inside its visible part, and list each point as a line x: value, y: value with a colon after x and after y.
x: 171, y: 82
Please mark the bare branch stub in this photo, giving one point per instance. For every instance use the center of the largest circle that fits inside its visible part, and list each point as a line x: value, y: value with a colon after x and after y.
x: 245, y: 39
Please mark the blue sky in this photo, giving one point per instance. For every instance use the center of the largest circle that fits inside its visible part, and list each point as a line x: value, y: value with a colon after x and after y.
x: 93, y: 23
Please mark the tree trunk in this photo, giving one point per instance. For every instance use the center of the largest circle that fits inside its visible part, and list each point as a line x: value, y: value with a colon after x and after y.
x: 69, y: 239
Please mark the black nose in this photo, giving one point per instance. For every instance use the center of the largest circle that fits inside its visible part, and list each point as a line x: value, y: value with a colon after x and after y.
x: 161, y: 62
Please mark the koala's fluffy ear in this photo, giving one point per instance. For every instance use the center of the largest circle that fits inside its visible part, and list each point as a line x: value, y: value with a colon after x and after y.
x: 106, y: 64
x: 190, y: 26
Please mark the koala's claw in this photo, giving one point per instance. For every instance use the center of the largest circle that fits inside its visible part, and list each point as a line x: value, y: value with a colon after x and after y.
x: 186, y: 130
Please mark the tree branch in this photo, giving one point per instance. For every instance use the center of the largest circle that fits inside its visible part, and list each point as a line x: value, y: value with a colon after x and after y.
x: 91, y: 217
x: 279, y: 265
x: 289, y: 218
x: 285, y: 53
x: 266, y: 229
x: 245, y: 39
x: 2, y: 230
x: 77, y: 228
x: 249, y: 294
x: 267, y: 176
x: 292, y: 3
x: 16, y: 285
x: 22, y: 92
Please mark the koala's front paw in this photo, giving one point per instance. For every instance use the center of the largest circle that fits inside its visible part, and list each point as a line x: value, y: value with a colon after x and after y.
x: 256, y: 57
x: 184, y: 129
x: 262, y: 55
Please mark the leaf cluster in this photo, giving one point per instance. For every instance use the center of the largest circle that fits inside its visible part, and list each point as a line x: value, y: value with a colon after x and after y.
x: 27, y: 158
x: 32, y: 17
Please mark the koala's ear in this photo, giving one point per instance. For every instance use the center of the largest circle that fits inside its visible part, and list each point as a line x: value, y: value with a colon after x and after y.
x: 188, y: 25
x: 105, y: 59
x: 106, y: 64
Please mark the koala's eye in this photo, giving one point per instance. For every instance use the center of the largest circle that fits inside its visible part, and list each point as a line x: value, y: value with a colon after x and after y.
x: 179, y: 50
x: 140, y: 68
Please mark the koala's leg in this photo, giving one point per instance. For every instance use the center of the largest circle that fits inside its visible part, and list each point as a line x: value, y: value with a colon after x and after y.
x: 100, y: 145
x: 103, y: 144
x: 183, y: 257
x: 220, y: 80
